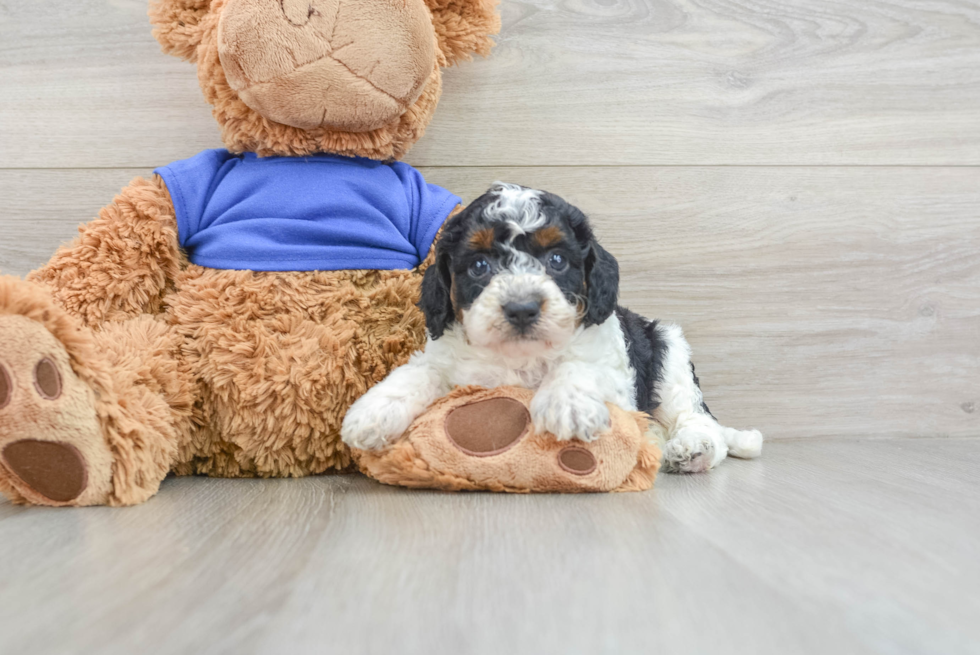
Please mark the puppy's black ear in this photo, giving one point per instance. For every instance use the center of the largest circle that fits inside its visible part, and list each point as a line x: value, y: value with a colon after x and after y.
x: 601, y: 284
x: 436, y: 300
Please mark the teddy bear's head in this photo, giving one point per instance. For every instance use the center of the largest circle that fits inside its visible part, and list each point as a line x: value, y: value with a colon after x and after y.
x: 295, y: 77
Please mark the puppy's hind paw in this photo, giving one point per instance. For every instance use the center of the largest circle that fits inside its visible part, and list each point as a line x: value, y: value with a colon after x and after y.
x: 746, y: 444
x: 691, y: 451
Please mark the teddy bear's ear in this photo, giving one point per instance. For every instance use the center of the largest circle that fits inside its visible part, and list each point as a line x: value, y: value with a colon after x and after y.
x: 464, y: 27
x: 177, y: 25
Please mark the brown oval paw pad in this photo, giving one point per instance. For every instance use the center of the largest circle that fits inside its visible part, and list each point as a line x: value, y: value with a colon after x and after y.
x: 6, y: 387
x: 55, y: 470
x: 487, y: 427
x: 577, y: 461
x: 47, y: 379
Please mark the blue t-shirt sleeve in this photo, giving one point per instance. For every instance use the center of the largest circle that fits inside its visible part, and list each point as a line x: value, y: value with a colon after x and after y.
x: 430, y: 206
x: 190, y: 183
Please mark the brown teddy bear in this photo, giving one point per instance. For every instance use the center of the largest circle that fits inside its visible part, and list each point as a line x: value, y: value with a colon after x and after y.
x: 220, y: 317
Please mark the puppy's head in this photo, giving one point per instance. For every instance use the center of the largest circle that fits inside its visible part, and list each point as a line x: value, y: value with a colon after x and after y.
x: 520, y: 270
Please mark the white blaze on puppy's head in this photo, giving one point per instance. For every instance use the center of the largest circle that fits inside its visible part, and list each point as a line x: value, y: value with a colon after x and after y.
x: 517, y: 206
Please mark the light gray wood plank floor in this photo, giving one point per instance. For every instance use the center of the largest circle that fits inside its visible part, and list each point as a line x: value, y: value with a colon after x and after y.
x: 822, y: 546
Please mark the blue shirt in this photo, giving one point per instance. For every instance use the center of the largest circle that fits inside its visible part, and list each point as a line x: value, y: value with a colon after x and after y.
x: 322, y: 212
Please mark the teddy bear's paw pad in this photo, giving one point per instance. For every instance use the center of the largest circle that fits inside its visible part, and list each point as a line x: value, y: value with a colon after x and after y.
x: 55, y: 470
x: 577, y: 461
x: 488, y: 427
x: 6, y: 387
x: 52, y: 449
x: 47, y: 379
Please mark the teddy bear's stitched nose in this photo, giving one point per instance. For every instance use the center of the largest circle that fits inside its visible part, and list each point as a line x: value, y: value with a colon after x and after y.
x: 352, y: 65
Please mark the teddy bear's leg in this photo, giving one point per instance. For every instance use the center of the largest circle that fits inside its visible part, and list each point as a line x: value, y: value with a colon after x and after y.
x: 123, y: 262
x: 85, y: 418
x: 475, y: 438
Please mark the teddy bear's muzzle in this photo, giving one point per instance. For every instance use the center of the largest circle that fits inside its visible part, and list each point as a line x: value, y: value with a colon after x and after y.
x: 345, y: 65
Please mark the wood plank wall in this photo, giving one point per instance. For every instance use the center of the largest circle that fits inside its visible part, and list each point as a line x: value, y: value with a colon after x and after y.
x: 797, y: 183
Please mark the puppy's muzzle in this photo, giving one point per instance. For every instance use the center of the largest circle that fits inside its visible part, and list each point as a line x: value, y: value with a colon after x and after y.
x: 522, y: 314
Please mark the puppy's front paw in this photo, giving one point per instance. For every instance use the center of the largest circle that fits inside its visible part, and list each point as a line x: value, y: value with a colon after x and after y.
x: 569, y: 413
x: 373, y: 422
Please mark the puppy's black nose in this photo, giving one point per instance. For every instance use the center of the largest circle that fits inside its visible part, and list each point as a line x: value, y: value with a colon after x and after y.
x: 522, y: 314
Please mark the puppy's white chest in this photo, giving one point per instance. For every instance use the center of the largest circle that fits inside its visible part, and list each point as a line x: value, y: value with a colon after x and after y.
x: 489, y: 374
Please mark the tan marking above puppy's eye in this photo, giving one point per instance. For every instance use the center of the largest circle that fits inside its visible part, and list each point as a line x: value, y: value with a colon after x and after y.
x: 548, y: 236
x: 482, y: 240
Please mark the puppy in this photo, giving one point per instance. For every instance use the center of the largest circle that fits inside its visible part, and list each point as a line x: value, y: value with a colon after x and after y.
x: 521, y: 293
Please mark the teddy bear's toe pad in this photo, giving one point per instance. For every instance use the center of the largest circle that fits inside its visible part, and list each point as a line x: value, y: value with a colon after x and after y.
x: 577, y: 461
x: 487, y: 427
x: 55, y: 470
x: 6, y: 388
x: 47, y: 380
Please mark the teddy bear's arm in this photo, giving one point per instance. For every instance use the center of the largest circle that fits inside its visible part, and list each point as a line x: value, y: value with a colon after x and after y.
x: 122, y: 263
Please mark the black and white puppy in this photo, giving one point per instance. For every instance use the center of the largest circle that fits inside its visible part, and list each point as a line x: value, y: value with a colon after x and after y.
x: 521, y: 293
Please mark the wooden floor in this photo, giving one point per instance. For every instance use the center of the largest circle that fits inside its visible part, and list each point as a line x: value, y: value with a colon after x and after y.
x: 822, y: 546
x: 795, y: 182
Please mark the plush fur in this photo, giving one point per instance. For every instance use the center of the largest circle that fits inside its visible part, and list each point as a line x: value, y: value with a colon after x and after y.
x: 170, y: 367
x: 372, y: 57
x: 522, y: 294
x: 189, y: 29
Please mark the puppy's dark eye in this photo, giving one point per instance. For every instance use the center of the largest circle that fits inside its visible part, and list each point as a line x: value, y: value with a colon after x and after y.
x: 480, y: 267
x: 557, y: 262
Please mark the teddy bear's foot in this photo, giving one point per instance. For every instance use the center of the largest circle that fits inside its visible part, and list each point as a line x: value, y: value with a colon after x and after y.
x: 52, y: 450
x: 484, y: 439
